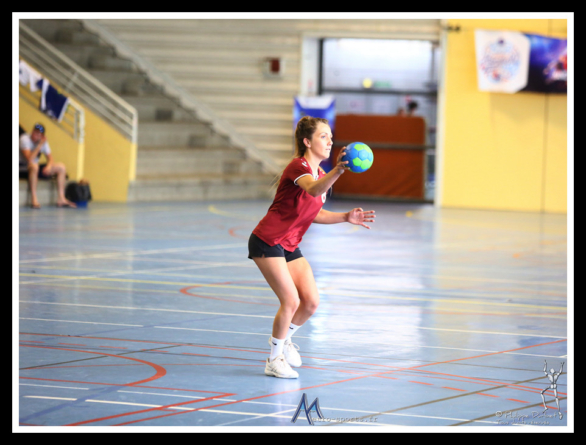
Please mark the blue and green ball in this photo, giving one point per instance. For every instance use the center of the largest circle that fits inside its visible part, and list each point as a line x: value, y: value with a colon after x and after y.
x: 359, y: 157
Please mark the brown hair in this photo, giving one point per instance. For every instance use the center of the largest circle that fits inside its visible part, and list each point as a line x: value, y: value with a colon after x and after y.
x: 306, y: 126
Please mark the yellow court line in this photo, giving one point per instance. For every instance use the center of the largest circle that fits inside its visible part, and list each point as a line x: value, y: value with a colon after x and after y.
x: 174, y: 292
x: 230, y: 286
x: 215, y: 210
x: 390, y: 275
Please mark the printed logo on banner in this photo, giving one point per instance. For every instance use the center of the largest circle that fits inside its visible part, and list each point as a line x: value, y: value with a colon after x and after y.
x: 502, y: 59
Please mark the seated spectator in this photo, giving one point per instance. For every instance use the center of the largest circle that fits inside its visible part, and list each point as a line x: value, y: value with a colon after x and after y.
x: 30, y: 148
x: 411, y: 107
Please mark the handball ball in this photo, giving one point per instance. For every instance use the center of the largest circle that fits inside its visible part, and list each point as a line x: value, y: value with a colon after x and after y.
x: 359, y: 157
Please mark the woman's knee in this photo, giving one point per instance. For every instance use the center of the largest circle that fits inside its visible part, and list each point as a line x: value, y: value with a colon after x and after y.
x: 290, y: 305
x: 311, y: 304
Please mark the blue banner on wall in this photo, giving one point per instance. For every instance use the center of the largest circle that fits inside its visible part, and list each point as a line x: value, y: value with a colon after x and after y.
x: 316, y: 106
x: 548, y: 65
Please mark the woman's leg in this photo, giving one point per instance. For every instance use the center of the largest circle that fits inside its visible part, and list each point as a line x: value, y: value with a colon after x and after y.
x: 275, y: 271
x: 278, y: 275
x: 304, y: 281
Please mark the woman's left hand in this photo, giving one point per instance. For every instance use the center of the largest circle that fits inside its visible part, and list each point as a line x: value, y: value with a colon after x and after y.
x: 359, y: 217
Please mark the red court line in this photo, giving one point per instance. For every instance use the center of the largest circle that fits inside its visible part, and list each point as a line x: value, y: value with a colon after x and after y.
x: 160, y: 371
x: 333, y: 383
x: 154, y: 342
x: 475, y: 380
x: 243, y: 400
x: 185, y: 291
x: 83, y: 422
x: 310, y: 387
x: 487, y: 395
x: 455, y: 389
x: 421, y: 383
x: 222, y: 394
x: 396, y: 369
x: 232, y: 231
x: 552, y: 407
x: 516, y: 400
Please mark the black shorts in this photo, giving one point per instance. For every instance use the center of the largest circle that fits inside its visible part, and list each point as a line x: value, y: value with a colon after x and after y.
x: 23, y: 174
x: 258, y: 248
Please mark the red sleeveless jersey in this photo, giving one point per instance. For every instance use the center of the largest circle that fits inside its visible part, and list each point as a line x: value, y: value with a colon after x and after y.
x: 293, y: 209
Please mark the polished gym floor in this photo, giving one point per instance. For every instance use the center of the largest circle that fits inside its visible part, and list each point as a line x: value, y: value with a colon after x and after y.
x: 151, y: 315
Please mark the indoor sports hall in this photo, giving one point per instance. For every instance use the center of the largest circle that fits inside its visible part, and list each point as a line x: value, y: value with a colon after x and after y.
x: 135, y: 304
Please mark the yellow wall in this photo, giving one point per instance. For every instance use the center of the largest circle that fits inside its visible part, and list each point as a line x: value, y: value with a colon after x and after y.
x: 106, y: 159
x: 110, y: 160
x: 63, y: 147
x: 501, y: 151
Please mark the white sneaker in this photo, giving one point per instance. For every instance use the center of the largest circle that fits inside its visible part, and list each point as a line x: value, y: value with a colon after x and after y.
x: 280, y: 368
x: 291, y: 354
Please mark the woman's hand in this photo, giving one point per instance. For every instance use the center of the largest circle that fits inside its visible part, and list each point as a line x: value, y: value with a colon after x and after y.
x: 341, y: 165
x: 359, y: 217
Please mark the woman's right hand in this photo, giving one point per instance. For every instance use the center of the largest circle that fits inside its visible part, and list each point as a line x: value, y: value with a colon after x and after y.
x: 342, y: 165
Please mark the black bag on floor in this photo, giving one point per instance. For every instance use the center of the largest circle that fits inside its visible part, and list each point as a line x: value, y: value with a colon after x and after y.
x: 78, y: 192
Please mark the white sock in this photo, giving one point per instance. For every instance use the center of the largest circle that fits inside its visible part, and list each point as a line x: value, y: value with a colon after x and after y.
x: 276, y: 348
x: 291, y: 331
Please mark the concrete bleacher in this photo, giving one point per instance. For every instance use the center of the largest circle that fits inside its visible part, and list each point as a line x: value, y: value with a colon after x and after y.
x: 46, y: 193
x: 220, y: 63
x: 179, y: 157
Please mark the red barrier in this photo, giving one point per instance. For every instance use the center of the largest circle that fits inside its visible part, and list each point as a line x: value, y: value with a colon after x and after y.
x: 396, y: 172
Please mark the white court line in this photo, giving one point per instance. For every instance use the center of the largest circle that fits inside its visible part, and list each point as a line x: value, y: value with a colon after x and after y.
x: 88, y: 322
x: 277, y: 414
x: 125, y: 272
x: 147, y: 309
x: 258, y: 415
x: 53, y: 386
x: 131, y: 253
x: 300, y: 336
x: 270, y: 316
x: 165, y: 395
x: 226, y: 332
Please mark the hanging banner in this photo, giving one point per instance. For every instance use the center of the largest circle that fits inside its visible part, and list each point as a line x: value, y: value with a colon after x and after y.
x: 510, y: 62
x: 316, y: 106
x: 548, y: 65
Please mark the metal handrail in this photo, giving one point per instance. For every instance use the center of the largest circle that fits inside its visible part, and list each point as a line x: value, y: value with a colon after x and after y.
x: 185, y: 98
x: 76, y: 81
x: 73, y: 121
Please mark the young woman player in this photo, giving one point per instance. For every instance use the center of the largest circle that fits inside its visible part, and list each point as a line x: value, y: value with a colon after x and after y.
x: 273, y: 244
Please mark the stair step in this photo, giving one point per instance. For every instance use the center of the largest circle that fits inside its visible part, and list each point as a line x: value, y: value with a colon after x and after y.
x: 157, y: 108
x: 177, y: 153
x: 201, y: 188
x: 46, y: 192
x: 120, y: 81
x: 176, y: 162
x: 47, y: 28
x: 108, y: 62
x: 81, y: 54
x: 178, y: 134
x: 77, y: 37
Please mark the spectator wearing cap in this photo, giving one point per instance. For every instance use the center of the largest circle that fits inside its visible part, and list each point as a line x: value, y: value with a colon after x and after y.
x: 31, y: 146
